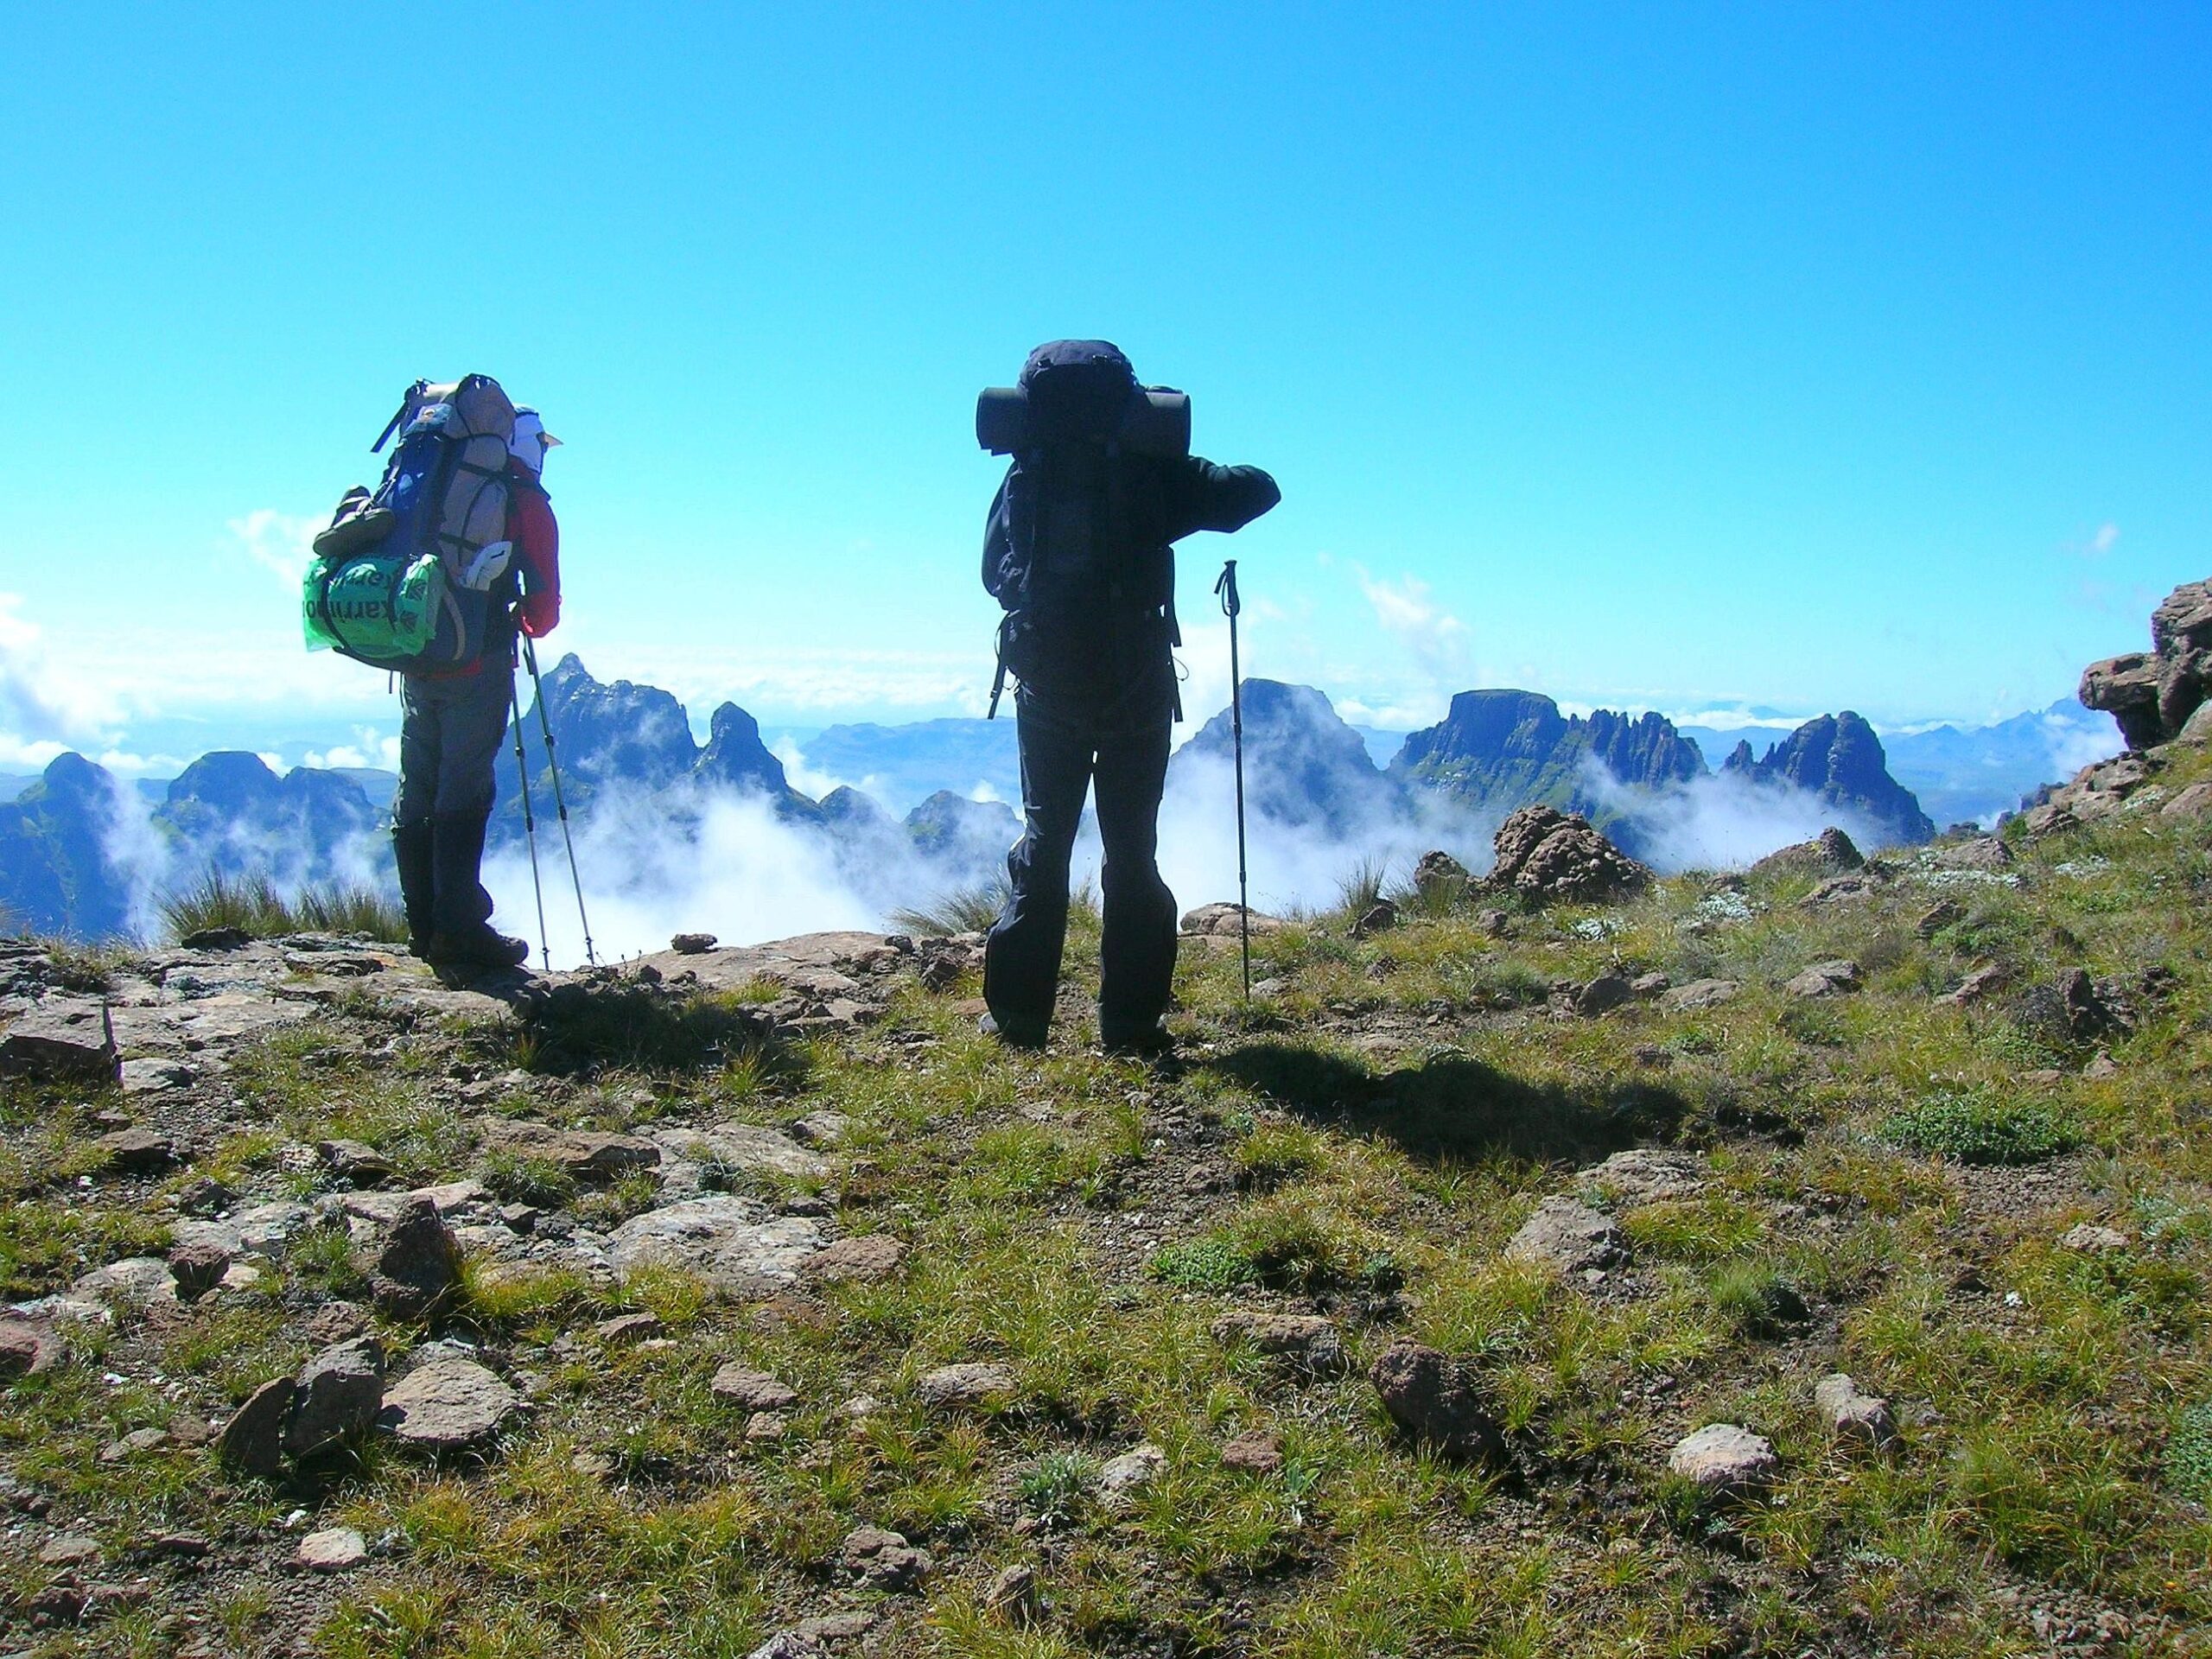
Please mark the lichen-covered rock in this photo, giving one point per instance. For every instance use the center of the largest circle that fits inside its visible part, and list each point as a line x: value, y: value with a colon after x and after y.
x: 450, y: 1404
x: 1724, y: 1459
x: 1436, y: 1399
x: 1568, y: 1235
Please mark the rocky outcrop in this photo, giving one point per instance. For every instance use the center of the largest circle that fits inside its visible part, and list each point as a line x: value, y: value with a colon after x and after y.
x: 1505, y: 749
x: 1550, y: 856
x: 1839, y: 760
x: 2152, y: 694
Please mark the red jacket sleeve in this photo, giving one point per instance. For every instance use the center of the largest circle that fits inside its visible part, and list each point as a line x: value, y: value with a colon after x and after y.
x: 537, y: 536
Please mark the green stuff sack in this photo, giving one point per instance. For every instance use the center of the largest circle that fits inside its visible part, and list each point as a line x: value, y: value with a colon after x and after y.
x: 377, y: 609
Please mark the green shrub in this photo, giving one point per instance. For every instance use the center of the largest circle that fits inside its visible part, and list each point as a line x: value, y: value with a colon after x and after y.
x: 1972, y: 1128
x: 1209, y: 1263
x: 1057, y: 1485
x: 2188, y: 1454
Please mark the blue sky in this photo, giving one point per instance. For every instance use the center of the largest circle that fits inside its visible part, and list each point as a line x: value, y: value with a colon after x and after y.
x: 1653, y: 356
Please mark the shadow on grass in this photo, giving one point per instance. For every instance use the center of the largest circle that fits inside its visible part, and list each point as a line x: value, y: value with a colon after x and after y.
x: 1453, y: 1108
x: 613, y: 1022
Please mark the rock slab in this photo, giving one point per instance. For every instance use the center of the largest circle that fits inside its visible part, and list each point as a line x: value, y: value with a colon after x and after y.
x: 448, y: 1405
x: 1569, y: 1235
x: 730, y: 1243
x: 1724, y: 1459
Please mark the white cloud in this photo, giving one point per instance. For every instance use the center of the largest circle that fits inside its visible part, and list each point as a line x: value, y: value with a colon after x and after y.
x: 800, y: 776
x: 1405, y: 610
x: 2101, y: 544
x: 280, y: 543
x: 39, y: 702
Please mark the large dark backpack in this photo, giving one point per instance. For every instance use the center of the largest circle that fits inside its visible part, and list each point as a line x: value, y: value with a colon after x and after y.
x: 405, y: 577
x: 1075, y: 565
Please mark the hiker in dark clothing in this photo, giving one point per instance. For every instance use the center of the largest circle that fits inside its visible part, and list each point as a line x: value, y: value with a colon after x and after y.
x: 1079, y: 550
x: 452, y: 726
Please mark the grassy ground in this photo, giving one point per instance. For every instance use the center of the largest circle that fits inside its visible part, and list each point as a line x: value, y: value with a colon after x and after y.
x: 1362, y: 1143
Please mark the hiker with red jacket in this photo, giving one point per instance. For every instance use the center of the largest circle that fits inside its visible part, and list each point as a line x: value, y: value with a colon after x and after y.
x: 453, y: 723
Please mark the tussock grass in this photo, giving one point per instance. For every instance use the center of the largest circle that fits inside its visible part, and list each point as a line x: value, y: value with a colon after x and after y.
x: 255, y: 905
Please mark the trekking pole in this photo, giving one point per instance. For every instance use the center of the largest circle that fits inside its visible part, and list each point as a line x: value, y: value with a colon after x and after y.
x: 1231, y: 604
x: 530, y: 828
x: 560, y: 801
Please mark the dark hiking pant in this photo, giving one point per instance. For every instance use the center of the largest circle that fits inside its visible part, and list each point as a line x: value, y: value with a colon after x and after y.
x: 450, y: 733
x: 1069, y: 743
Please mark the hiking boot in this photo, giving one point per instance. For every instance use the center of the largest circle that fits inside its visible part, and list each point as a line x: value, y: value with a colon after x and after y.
x: 1014, y: 1036
x: 480, y: 946
x: 414, y: 854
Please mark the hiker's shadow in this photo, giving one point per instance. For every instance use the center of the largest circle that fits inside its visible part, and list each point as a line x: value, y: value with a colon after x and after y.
x: 1453, y: 1108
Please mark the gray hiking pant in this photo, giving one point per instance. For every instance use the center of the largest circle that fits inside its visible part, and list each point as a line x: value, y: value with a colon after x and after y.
x: 450, y: 731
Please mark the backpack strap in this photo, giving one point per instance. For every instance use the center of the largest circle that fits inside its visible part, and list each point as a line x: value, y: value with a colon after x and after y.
x: 407, y: 404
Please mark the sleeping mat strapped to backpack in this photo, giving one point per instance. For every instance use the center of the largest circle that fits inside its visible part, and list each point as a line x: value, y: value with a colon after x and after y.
x: 401, y: 578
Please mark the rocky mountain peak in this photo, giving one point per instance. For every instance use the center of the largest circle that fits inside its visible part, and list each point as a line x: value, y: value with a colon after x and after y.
x: 1838, y: 759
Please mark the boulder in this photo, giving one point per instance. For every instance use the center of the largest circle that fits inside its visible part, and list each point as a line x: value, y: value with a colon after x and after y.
x: 1567, y: 1235
x: 1603, y: 994
x: 1379, y: 917
x: 1834, y: 978
x: 450, y: 1404
x: 871, y: 1256
x: 355, y: 1162
x: 742, y: 1146
x: 587, y: 1155
x: 741, y: 1386
x: 1121, y: 1478
x: 1647, y: 1174
x: 61, y: 1039
x: 27, y: 1349
x: 253, y: 1439
x: 1012, y: 1596
x: 334, y: 1550
x: 2089, y: 1239
x: 198, y: 1267
x: 416, y: 1271
x: 1309, y: 1339
x: 1725, y: 1459
x: 135, y: 1151
x: 1220, y: 921
x: 1853, y: 1415
x: 2154, y: 694
x: 692, y: 944
x: 1981, y: 982
x: 1437, y: 1400
x: 2194, y: 802
x: 340, y: 1391
x: 883, y: 1560
x: 730, y: 1243
x: 1830, y: 852
x: 1698, y: 994
x: 965, y: 1384
x: 1550, y: 856
x: 135, y: 1283
x: 1442, y: 879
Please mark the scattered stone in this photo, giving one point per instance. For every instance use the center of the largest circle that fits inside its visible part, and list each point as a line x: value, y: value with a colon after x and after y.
x: 1937, y: 917
x: 1254, y: 1452
x: 355, y: 1162
x: 587, y: 1154
x: 2091, y: 1240
x: 2192, y: 802
x: 1981, y: 982
x: 823, y: 1128
x: 1436, y: 1399
x: 626, y: 1328
x: 883, y: 1560
x: 1309, y: 1338
x: 334, y: 1550
x: 728, y: 1242
x: 790, y: 1644
x: 1568, y: 1235
x: 1981, y: 853
x: 1011, y: 1596
x: 1831, y: 853
x: 2087, y: 1012
x: 1442, y: 879
x: 206, y: 1196
x: 137, y: 1441
x: 1492, y: 922
x: 179, y: 1546
x: 340, y: 1390
x: 964, y: 1385
x: 1647, y: 986
x: 2101, y: 1067
x: 1698, y: 994
x: 61, y: 1040
x: 1222, y: 921
x: 1603, y: 994
x: 1724, y: 1459
x: 198, y: 1267
x: 1378, y: 918
x: 155, y: 1075
x: 336, y: 1322
x: 416, y: 1272
x: 1834, y: 978
x: 448, y: 1405
x: 70, y: 1549
x: 253, y: 1439
x: 1838, y: 890
x: 1556, y: 857
x: 136, y: 1282
x: 740, y: 1385
x: 27, y: 1349
x: 1852, y: 1415
x: 693, y: 944
x: 767, y: 1426
x: 1647, y: 1175
x: 1121, y: 1478
x: 135, y: 1152
x: 871, y: 1256
x: 216, y: 939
